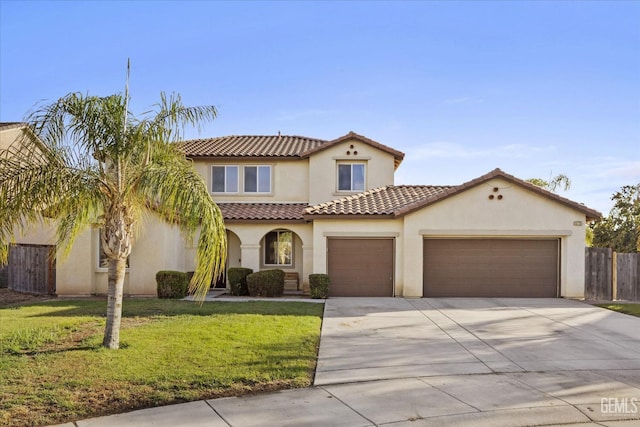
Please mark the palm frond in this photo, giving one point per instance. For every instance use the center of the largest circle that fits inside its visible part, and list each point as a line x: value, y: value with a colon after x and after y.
x: 172, y: 116
x: 32, y: 181
x: 88, y: 163
x: 178, y: 193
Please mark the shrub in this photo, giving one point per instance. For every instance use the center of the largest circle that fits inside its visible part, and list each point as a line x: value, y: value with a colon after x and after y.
x: 238, y: 280
x: 171, y: 284
x: 267, y: 283
x: 319, y: 285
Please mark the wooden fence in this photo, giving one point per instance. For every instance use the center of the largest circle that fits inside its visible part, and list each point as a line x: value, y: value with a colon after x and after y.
x: 4, y: 277
x: 627, y: 277
x: 32, y: 269
x: 611, y: 276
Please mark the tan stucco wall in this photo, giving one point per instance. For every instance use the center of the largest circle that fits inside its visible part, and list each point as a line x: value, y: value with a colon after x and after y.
x: 159, y: 246
x: 8, y: 136
x: 290, y: 180
x: 323, y: 168
x: 520, y: 213
x: 40, y: 234
x: 75, y: 272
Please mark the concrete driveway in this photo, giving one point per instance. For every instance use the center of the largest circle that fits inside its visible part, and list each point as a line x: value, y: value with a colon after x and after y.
x: 458, y: 360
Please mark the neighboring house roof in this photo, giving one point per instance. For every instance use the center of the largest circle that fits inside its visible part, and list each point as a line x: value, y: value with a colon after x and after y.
x: 397, y: 201
x: 272, y: 146
x: 381, y: 202
x: 11, y: 125
x: 276, y: 212
x: 28, y: 136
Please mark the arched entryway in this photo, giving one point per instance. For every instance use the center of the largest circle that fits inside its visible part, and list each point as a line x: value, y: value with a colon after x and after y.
x: 282, y: 248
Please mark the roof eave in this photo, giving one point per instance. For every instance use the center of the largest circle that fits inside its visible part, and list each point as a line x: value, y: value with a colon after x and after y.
x: 265, y: 221
x: 234, y: 157
x: 311, y: 217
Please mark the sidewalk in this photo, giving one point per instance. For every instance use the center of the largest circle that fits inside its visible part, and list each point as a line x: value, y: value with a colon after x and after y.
x: 434, y: 401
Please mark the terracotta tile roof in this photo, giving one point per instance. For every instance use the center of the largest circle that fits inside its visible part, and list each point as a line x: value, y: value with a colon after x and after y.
x: 250, y: 146
x: 262, y: 211
x: 379, y: 202
x: 272, y: 146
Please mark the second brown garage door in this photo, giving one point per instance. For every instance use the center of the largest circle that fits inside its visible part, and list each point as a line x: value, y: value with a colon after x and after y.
x: 490, y: 268
x: 360, y: 267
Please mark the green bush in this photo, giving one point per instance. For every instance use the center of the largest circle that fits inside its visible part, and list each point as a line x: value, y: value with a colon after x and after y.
x: 319, y: 285
x: 237, y: 277
x: 172, y: 284
x: 267, y: 283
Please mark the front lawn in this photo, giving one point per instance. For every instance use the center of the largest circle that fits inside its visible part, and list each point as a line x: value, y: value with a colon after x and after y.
x: 53, y: 369
x: 627, y: 308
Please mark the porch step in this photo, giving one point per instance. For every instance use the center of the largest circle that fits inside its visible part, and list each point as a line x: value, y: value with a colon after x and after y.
x: 291, y: 282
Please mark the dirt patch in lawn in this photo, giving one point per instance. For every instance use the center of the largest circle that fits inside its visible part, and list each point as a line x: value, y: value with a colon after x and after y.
x: 9, y: 297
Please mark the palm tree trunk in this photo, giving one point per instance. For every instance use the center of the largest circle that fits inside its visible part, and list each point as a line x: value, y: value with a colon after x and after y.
x: 114, y: 304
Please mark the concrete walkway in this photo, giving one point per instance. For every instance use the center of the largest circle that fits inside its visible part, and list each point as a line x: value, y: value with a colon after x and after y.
x: 446, y: 362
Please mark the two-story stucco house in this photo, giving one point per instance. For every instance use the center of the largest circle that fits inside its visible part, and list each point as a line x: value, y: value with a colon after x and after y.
x: 308, y: 206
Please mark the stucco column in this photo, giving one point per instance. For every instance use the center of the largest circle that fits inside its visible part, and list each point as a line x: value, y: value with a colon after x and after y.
x: 250, y: 256
x: 307, y: 265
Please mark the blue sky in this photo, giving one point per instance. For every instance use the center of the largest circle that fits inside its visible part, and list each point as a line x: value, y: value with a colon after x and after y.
x: 535, y: 88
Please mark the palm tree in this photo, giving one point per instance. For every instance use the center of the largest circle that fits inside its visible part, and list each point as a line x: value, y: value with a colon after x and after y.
x: 95, y: 163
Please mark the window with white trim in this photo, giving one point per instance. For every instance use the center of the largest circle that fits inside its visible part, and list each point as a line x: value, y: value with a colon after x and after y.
x: 257, y: 179
x: 278, y: 248
x: 351, y: 176
x: 224, y: 179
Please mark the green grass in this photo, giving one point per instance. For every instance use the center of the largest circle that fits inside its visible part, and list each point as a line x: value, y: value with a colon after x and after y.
x: 628, y: 308
x: 53, y: 369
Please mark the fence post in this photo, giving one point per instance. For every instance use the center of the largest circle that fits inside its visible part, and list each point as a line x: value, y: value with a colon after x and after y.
x: 614, y: 276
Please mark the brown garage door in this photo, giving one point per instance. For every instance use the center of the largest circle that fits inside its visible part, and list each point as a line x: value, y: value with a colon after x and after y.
x: 490, y: 268
x: 360, y: 267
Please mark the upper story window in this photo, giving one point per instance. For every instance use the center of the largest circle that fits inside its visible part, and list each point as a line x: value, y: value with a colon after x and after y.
x: 224, y: 179
x: 257, y: 179
x: 351, y: 176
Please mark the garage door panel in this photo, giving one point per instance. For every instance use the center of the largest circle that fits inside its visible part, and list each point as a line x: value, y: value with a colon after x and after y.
x: 490, y: 267
x: 360, y: 267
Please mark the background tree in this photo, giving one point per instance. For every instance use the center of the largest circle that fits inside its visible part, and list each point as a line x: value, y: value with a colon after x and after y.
x: 558, y: 181
x: 97, y: 164
x: 620, y: 230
